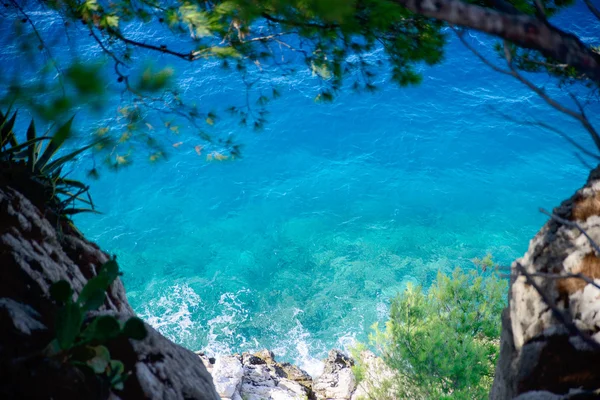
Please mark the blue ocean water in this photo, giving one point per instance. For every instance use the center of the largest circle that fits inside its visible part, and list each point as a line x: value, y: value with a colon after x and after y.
x: 334, y: 208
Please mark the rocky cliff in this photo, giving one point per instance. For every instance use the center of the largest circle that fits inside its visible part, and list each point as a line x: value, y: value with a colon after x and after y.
x: 549, y: 344
x: 34, y: 253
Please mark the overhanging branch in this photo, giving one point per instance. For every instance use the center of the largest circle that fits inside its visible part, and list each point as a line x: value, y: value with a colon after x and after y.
x: 523, y: 30
x: 511, y: 71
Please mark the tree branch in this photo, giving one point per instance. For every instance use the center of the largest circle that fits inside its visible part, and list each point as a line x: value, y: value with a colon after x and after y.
x: 551, y: 128
x: 43, y: 44
x: 584, y: 278
x: 278, y: 20
x: 162, y: 49
x: 579, y: 116
x: 592, y: 8
x: 523, y: 30
x: 563, y: 318
x: 573, y: 225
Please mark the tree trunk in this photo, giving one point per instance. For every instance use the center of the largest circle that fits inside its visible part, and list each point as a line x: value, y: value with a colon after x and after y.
x: 524, y: 30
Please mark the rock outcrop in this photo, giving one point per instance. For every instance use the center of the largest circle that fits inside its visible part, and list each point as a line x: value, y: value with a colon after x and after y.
x: 257, y: 376
x: 377, y: 378
x: 34, y: 253
x: 539, y: 353
x: 337, y: 381
x: 260, y: 377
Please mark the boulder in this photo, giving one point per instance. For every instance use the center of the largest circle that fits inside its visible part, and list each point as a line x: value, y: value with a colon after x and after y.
x: 265, y: 378
x: 227, y: 376
x: 258, y: 377
x: 337, y: 381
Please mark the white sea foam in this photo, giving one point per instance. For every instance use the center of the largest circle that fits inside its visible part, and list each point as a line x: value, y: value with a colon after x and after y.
x: 171, y: 311
x: 222, y: 335
x: 296, y: 345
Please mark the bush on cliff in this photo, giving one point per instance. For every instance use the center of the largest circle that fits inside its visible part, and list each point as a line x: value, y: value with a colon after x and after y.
x: 443, y: 342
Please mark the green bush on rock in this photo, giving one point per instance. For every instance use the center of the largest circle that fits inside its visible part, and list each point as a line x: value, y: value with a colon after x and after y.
x: 443, y: 342
x: 83, y: 343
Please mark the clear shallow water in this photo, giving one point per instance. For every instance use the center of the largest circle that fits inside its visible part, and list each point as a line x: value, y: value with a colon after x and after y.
x: 299, y: 246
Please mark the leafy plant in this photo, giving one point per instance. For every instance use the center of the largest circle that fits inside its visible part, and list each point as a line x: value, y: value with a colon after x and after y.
x: 32, y: 167
x: 444, y: 342
x: 83, y: 342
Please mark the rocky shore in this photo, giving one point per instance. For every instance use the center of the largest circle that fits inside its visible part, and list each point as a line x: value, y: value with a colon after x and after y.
x: 259, y: 376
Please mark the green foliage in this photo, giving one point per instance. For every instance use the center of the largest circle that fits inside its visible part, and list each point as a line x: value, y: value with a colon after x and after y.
x: 444, y: 342
x: 335, y: 39
x: 358, y: 369
x: 82, y: 342
x: 485, y: 263
x: 32, y: 167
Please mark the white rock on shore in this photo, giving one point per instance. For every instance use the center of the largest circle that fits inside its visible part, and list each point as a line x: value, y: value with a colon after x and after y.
x: 337, y: 381
x: 259, y: 377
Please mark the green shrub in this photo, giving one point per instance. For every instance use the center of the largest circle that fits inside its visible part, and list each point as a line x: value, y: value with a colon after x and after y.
x: 444, y: 342
x: 83, y: 343
x: 33, y: 168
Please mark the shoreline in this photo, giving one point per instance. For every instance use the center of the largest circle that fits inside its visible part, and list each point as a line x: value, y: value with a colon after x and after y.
x: 259, y: 376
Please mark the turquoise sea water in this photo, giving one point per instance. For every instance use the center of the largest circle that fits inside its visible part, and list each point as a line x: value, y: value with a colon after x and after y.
x: 299, y: 246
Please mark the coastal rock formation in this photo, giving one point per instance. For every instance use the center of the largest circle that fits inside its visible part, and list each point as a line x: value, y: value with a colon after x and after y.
x: 34, y: 253
x: 551, y: 328
x: 337, y: 381
x: 257, y: 376
x: 378, y: 378
x: 260, y: 377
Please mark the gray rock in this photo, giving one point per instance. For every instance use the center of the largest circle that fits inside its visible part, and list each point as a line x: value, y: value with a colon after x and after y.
x: 376, y: 376
x: 259, y: 377
x: 227, y: 376
x: 34, y: 253
x: 537, y: 353
x: 337, y: 381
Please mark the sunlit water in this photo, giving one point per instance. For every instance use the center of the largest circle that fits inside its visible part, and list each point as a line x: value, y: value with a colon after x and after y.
x: 300, y: 245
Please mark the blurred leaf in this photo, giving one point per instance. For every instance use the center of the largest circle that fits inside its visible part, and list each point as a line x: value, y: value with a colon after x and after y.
x: 110, y: 269
x: 101, y: 359
x: 83, y: 353
x: 224, y: 52
x: 86, y: 79
x: 152, y: 81
x: 117, y: 368
x: 110, y: 21
x: 135, y: 329
x: 61, y: 291
x: 102, y: 328
x: 61, y: 161
x: 59, y: 138
x: 93, y: 174
x: 68, y: 324
x: 93, y: 294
